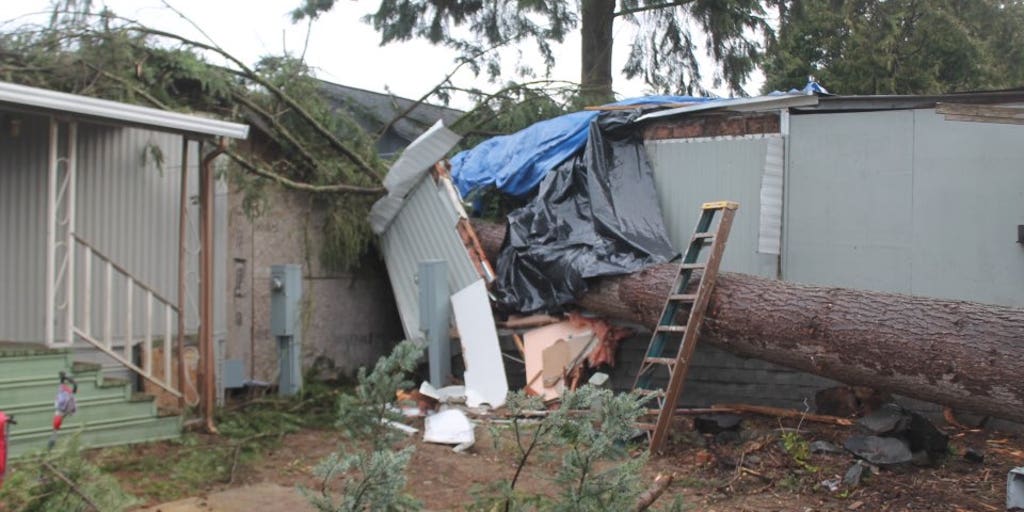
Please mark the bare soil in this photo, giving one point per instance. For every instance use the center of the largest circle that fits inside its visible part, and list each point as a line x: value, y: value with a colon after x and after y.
x: 752, y: 473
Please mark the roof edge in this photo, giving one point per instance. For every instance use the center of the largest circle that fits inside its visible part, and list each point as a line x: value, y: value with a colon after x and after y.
x: 164, y: 120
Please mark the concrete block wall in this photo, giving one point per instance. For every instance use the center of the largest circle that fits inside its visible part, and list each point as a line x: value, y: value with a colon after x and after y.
x: 352, y: 319
x: 717, y: 376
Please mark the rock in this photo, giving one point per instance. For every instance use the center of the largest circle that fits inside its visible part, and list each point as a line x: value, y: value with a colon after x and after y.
x: 715, y: 423
x: 824, y: 447
x: 846, y: 401
x: 888, y: 419
x: 853, y: 475
x: 922, y: 458
x: 879, y: 450
x: 727, y: 437
x: 975, y: 456
x: 832, y: 484
x: 923, y: 435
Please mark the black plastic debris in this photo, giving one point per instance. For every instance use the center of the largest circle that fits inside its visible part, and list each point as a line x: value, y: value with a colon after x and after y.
x: 716, y: 423
x: 879, y: 450
x: 596, y: 214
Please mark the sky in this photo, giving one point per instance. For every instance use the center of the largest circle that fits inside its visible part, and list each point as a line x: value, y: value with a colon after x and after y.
x: 341, y: 48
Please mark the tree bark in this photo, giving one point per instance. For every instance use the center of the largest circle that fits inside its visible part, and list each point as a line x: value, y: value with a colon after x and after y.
x: 596, y: 17
x: 965, y: 355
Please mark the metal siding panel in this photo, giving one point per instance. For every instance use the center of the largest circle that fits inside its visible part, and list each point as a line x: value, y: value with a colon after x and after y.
x: 968, y: 201
x: 23, y: 227
x: 688, y: 173
x: 423, y: 230
x: 849, y: 200
x: 769, y: 240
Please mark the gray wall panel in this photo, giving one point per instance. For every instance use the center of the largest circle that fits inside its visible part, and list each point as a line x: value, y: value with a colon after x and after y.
x: 849, y: 201
x: 688, y: 173
x: 968, y: 201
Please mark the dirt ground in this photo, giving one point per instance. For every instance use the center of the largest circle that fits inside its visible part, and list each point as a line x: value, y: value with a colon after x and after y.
x: 752, y: 473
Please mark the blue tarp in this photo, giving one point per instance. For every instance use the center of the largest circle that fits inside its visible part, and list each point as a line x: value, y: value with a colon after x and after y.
x: 517, y: 163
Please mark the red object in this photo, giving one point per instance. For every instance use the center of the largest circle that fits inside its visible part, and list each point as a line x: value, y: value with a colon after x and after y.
x: 57, y: 420
x: 3, y: 446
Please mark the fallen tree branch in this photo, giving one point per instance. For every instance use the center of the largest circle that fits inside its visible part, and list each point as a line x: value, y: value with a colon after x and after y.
x: 247, y: 72
x: 783, y: 413
x: 648, y: 497
x: 71, y: 485
x: 253, y: 168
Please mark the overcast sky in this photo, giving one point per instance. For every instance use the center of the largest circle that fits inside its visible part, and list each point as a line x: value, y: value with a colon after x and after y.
x: 341, y: 48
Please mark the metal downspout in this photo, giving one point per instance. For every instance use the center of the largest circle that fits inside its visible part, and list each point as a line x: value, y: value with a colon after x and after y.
x: 206, y: 200
x: 182, y: 232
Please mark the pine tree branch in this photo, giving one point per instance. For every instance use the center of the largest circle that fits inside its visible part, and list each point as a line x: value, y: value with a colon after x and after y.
x: 651, y: 7
x: 279, y: 128
x: 295, y: 185
x: 332, y: 139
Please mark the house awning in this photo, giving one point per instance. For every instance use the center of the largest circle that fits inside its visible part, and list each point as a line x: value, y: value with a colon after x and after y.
x: 122, y: 113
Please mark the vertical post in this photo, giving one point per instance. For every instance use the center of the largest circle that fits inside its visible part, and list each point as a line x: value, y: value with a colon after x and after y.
x: 51, y: 234
x: 435, y: 310
x: 206, y: 226
x: 87, y: 292
x: 147, y: 339
x: 129, y: 289
x: 108, y: 304
x: 168, y: 344
x: 182, y: 223
x: 71, y: 170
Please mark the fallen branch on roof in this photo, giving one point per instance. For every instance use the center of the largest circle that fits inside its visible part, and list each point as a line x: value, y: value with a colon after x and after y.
x: 960, y: 354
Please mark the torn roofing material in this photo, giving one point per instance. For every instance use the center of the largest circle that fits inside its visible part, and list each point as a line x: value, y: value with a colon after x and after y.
x: 422, y: 219
x: 414, y: 163
x: 517, y: 163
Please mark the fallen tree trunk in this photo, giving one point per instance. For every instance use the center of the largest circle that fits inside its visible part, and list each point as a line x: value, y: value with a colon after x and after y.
x: 964, y: 355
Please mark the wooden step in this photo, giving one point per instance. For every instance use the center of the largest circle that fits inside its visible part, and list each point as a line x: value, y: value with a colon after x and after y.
x: 683, y: 297
x: 671, y: 328
x: 660, y: 360
x: 692, y: 266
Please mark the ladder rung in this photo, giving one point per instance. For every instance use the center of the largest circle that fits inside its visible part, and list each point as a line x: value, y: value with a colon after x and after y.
x: 661, y: 360
x: 683, y: 297
x: 706, y: 234
x: 692, y: 266
x: 671, y: 328
x: 650, y: 393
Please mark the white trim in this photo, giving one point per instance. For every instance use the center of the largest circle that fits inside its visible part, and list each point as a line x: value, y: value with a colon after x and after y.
x: 689, y: 140
x: 758, y: 103
x: 117, y: 111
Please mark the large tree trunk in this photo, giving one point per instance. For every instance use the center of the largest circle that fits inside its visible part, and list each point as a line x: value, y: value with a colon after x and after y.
x: 596, y: 19
x: 965, y: 355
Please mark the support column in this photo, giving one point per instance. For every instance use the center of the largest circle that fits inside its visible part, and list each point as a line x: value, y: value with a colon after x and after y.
x: 182, y: 264
x: 206, y: 232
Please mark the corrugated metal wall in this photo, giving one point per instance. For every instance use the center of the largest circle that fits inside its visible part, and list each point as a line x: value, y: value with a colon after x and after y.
x: 904, y: 201
x: 424, y: 230
x: 689, y: 172
x: 22, y: 227
x: 126, y: 207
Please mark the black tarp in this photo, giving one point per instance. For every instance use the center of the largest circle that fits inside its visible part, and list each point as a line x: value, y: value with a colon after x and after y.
x: 596, y: 214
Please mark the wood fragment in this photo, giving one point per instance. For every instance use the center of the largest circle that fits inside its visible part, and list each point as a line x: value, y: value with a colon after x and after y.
x: 519, y: 345
x: 648, y: 497
x: 783, y: 413
x: 529, y: 321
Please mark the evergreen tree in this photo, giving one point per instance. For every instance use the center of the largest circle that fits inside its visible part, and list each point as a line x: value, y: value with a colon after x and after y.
x: 897, y: 46
x: 671, y: 34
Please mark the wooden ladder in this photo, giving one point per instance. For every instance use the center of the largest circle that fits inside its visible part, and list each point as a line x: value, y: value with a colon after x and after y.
x: 668, y: 331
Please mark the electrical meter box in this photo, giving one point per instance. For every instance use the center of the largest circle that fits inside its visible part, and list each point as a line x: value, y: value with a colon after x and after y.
x: 285, y: 299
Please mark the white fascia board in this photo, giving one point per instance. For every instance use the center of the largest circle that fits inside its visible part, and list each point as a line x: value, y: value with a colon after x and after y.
x: 739, y: 105
x: 117, y: 111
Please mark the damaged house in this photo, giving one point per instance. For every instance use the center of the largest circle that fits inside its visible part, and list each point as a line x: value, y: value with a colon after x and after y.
x: 912, y: 195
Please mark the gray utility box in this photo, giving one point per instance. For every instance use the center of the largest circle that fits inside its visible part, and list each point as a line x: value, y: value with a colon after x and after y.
x: 285, y: 298
x: 285, y: 326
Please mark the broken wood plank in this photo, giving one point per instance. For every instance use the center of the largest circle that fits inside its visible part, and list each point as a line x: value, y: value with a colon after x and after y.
x: 783, y: 413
